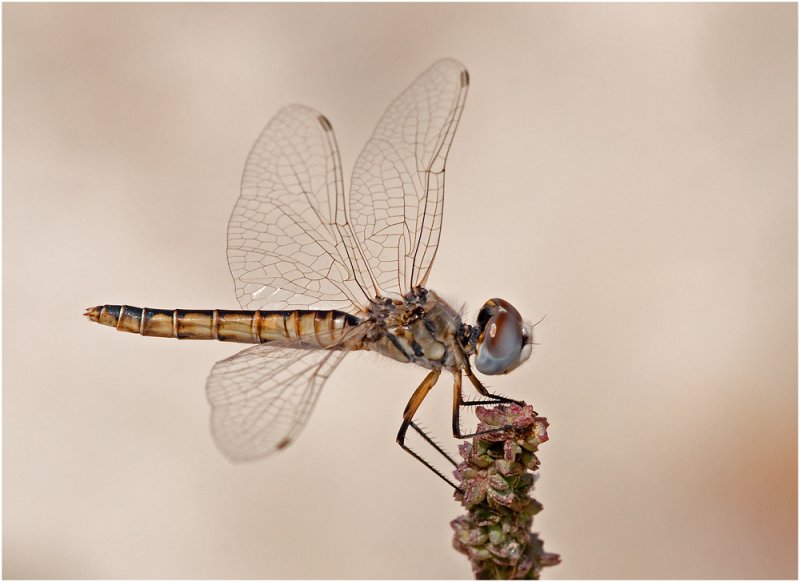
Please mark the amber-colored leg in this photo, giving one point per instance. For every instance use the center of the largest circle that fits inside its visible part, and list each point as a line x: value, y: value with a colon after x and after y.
x: 408, y: 415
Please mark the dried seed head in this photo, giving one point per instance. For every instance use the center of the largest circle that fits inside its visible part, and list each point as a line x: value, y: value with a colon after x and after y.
x: 496, y: 480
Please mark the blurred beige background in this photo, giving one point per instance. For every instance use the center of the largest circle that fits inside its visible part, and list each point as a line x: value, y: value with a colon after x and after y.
x: 629, y: 171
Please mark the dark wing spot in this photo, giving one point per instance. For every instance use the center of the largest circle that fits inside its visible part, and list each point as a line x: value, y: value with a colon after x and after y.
x: 326, y: 125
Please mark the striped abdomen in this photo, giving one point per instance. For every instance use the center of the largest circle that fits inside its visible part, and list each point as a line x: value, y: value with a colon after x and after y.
x: 316, y: 328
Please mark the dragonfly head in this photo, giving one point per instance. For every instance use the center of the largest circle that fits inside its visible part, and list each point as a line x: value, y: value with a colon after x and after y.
x: 504, y: 340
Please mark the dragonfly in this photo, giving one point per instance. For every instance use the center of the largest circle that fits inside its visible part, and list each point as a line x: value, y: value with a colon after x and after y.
x: 320, y: 273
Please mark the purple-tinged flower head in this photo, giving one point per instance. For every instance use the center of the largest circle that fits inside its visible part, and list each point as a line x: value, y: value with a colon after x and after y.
x: 496, y: 480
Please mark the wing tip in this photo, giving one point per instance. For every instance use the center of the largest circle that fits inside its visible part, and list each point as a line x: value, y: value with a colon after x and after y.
x: 240, y: 456
x: 326, y: 125
x: 454, y: 65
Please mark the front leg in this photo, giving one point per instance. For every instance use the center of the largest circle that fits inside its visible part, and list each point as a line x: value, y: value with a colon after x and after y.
x: 484, y: 392
x: 458, y: 402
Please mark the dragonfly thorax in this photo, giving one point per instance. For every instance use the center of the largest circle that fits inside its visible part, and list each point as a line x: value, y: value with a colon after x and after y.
x: 421, y: 329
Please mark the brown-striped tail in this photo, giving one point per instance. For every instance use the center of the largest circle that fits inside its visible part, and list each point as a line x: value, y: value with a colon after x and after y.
x: 317, y: 328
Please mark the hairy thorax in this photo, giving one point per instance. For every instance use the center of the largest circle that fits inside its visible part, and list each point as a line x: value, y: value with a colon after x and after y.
x: 421, y: 328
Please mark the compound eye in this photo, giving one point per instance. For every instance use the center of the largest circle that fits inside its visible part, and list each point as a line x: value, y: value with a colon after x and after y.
x: 500, y: 345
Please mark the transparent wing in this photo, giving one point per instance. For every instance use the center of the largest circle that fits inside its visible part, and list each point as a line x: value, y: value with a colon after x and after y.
x: 397, y: 191
x: 261, y: 398
x: 285, y: 243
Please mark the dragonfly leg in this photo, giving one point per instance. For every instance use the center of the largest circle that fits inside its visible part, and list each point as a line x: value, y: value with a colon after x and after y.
x: 434, y: 444
x: 408, y: 415
x: 458, y: 402
x: 494, y: 398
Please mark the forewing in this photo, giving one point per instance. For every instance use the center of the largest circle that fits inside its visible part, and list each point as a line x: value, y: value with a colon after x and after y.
x: 397, y: 192
x: 285, y: 250
x: 261, y: 398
